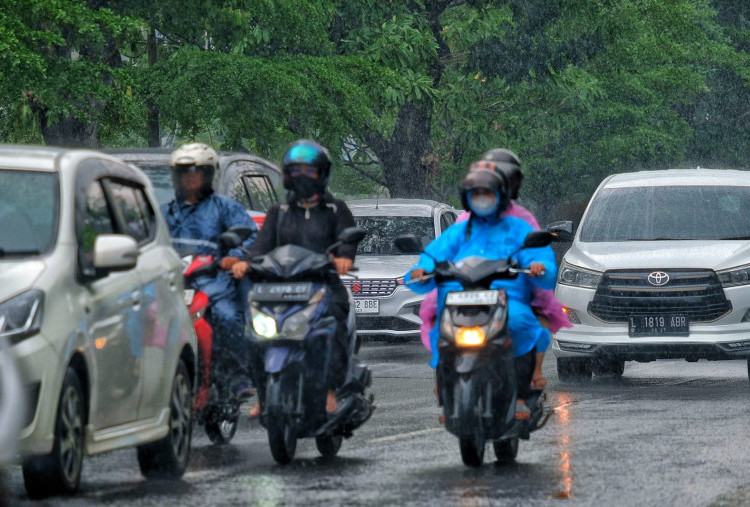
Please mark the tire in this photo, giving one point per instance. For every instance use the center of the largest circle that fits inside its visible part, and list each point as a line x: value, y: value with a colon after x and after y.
x: 60, y: 471
x: 506, y: 450
x: 573, y: 369
x: 467, y: 402
x: 221, y: 432
x: 282, y: 437
x: 328, y: 445
x: 167, y: 458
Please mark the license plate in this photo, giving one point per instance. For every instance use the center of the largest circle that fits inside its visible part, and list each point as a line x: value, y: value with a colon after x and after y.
x: 366, y: 306
x: 282, y: 291
x: 188, y: 294
x: 473, y: 297
x: 658, y: 325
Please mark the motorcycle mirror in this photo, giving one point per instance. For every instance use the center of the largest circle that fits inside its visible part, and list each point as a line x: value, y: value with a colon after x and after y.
x: 230, y: 239
x: 409, y: 244
x: 352, y: 235
x: 562, y: 231
x: 537, y: 239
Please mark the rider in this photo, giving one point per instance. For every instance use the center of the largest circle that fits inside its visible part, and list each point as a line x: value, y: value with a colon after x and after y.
x: 491, y: 234
x: 311, y: 218
x: 196, y: 218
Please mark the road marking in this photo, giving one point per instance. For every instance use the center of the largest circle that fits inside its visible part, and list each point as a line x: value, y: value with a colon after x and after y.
x: 405, y: 436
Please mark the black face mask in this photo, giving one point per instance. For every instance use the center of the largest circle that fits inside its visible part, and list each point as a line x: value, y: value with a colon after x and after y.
x: 304, y: 187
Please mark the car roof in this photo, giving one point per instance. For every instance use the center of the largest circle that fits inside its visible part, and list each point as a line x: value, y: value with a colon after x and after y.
x: 679, y: 177
x: 161, y: 155
x: 394, y: 207
x: 44, y: 158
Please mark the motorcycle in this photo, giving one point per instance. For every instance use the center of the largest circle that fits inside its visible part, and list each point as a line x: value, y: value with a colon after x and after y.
x: 291, y: 336
x: 475, y: 373
x: 215, y: 406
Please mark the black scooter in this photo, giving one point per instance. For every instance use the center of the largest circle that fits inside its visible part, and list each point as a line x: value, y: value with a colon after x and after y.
x: 291, y: 336
x: 475, y: 373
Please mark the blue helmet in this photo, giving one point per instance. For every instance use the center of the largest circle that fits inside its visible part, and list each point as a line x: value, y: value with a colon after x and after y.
x: 308, y: 152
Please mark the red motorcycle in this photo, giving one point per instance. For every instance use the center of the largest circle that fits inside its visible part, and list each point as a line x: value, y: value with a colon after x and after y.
x: 216, y: 405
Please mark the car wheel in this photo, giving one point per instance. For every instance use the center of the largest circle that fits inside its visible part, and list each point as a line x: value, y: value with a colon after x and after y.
x: 167, y: 458
x: 573, y: 369
x: 60, y: 471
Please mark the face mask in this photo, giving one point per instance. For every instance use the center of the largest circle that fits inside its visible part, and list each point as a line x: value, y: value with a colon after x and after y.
x: 484, y: 205
x: 304, y: 187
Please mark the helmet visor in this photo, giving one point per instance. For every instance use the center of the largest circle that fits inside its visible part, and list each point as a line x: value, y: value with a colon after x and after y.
x: 302, y: 154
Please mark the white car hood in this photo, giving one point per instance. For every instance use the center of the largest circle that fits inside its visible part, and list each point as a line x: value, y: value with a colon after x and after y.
x: 384, y: 266
x: 18, y: 275
x: 716, y: 255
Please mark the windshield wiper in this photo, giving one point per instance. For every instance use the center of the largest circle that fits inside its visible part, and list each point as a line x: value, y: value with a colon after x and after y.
x: 16, y: 253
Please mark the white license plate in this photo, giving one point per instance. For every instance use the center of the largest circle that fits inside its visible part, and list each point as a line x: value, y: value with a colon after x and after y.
x: 189, y: 294
x: 472, y: 297
x: 366, y: 306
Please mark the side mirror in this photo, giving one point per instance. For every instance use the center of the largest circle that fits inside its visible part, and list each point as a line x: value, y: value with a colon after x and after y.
x: 561, y: 231
x: 234, y: 237
x: 114, y: 252
x: 537, y: 239
x: 352, y: 235
x: 409, y: 244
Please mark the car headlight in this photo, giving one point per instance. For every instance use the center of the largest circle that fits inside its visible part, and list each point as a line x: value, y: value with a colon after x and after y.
x: 578, y: 277
x: 21, y: 316
x: 735, y: 276
x: 264, y: 325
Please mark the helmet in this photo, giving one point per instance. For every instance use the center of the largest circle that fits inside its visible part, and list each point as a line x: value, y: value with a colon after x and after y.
x: 194, y: 157
x: 508, y: 163
x: 486, y: 174
x: 311, y: 153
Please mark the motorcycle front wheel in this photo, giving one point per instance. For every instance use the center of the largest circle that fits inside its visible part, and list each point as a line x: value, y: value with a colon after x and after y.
x: 282, y: 437
x: 222, y: 429
x: 506, y: 450
x: 469, y: 410
x: 328, y: 445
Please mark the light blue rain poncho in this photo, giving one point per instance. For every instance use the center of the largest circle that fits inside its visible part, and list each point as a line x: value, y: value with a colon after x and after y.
x: 494, y: 238
x: 199, y: 226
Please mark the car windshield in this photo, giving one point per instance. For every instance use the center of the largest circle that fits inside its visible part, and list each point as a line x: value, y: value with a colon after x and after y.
x: 162, y: 181
x: 382, y: 231
x: 29, y: 211
x: 668, y: 213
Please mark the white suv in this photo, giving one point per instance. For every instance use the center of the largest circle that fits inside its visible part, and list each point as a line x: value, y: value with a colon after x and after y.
x: 659, y: 269
x: 91, y: 303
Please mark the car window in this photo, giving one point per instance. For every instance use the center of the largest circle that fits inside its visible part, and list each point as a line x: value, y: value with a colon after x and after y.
x: 133, y: 210
x: 382, y: 231
x: 668, y: 212
x: 29, y: 211
x: 253, y: 191
x: 161, y: 179
x: 446, y: 220
x: 93, y: 218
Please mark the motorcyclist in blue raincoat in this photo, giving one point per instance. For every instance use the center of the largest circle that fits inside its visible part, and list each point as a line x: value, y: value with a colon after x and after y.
x: 485, y: 192
x: 196, y: 218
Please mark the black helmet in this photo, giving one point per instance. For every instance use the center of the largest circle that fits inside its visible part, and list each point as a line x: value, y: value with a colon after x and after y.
x: 508, y: 163
x: 308, y: 152
x: 486, y: 174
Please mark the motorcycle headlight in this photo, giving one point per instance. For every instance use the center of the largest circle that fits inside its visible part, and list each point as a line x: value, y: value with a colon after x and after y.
x: 735, y: 276
x: 264, y: 325
x: 21, y: 316
x: 470, y: 336
x: 578, y: 277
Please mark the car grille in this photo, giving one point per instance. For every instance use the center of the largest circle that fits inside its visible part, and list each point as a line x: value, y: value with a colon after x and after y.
x: 371, y: 287
x: 385, y: 323
x: 695, y: 293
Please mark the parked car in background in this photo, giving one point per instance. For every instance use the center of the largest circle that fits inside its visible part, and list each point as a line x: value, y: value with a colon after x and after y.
x: 252, y: 181
x: 659, y: 269
x: 91, y: 303
x: 385, y: 308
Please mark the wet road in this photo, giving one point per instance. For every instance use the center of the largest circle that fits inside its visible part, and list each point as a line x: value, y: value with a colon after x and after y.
x: 668, y: 433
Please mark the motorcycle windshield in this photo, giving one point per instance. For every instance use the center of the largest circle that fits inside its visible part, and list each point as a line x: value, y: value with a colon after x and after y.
x: 291, y: 261
x: 476, y: 268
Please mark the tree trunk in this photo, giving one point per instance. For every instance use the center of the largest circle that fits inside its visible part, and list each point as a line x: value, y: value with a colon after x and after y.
x: 154, y: 135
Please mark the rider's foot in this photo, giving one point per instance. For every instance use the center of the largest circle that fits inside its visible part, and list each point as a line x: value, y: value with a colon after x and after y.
x: 254, y: 411
x: 331, y: 404
x: 441, y: 419
x: 522, y: 411
x: 538, y: 383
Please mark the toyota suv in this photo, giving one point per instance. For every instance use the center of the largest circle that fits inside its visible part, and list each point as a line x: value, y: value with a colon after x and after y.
x: 659, y: 269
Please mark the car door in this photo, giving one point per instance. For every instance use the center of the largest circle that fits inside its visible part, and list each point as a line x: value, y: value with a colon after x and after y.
x: 112, y: 305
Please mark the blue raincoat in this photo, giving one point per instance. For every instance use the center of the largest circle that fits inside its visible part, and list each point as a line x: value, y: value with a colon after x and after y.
x: 494, y: 238
x: 199, y: 226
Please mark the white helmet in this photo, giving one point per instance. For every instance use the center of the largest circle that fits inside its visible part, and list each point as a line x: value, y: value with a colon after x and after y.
x: 195, y: 157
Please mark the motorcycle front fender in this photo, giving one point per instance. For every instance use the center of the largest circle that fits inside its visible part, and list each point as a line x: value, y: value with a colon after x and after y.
x: 277, y: 358
x: 466, y: 361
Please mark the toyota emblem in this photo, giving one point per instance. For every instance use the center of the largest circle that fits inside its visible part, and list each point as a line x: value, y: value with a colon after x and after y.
x: 658, y: 278
x: 356, y: 288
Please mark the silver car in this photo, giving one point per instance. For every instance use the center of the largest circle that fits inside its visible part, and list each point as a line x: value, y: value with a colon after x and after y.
x: 91, y: 303
x: 659, y: 269
x: 385, y: 308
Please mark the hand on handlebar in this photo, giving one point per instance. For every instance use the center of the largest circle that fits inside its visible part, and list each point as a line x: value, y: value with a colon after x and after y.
x: 536, y: 269
x: 418, y: 275
x: 228, y: 262
x: 343, y: 264
x: 240, y: 268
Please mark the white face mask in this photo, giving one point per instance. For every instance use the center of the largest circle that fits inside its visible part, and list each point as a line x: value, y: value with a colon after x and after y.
x: 484, y: 205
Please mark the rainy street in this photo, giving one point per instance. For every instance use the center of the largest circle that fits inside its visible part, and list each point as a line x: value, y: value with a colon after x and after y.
x: 667, y: 433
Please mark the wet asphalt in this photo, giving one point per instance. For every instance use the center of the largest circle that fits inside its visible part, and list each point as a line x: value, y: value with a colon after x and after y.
x: 666, y: 433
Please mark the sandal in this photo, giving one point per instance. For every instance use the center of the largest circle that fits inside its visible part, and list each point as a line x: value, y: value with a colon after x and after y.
x: 522, y: 411
x: 254, y: 411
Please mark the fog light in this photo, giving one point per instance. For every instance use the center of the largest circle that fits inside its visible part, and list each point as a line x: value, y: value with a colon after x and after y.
x: 572, y: 315
x: 574, y: 346
x: 738, y: 345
